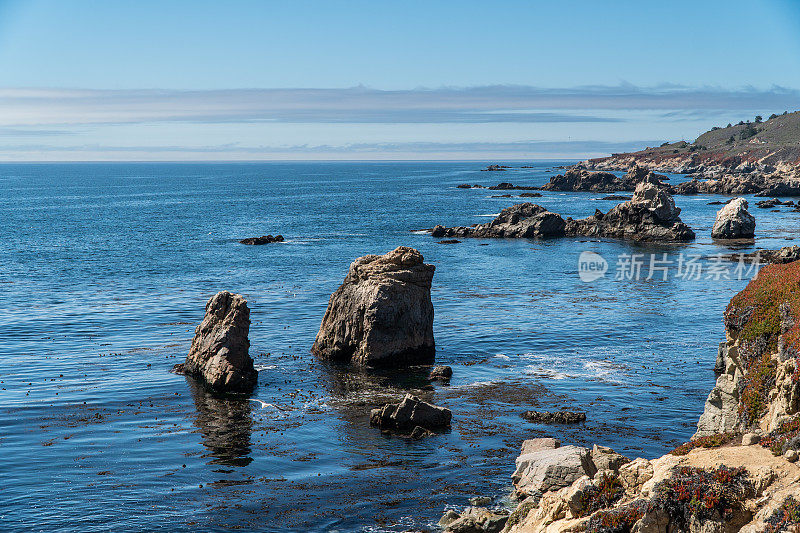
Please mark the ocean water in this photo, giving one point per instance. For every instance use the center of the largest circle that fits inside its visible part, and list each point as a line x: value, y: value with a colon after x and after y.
x: 105, y: 271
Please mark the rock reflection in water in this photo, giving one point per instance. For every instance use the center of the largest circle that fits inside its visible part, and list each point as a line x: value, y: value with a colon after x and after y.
x: 358, y: 387
x: 226, y: 424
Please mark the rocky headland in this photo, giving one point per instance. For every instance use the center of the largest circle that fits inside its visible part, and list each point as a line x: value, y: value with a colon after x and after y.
x: 761, y: 157
x: 738, y: 473
x: 650, y: 215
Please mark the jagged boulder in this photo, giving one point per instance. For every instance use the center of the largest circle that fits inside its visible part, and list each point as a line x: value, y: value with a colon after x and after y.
x: 651, y: 215
x: 734, y: 221
x: 411, y: 416
x: 580, y: 179
x: 520, y: 220
x: 382, y: 314
x: 604, y: 458
x: 219, y: 355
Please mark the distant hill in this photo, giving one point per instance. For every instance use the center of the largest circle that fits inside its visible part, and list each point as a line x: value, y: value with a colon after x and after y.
x: 771, y: 145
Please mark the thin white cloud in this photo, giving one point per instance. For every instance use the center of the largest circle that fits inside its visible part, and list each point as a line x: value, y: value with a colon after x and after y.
x: 20, y: 108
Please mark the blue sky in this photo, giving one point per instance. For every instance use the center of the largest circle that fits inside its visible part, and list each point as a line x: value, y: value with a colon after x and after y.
x: 180, y: 80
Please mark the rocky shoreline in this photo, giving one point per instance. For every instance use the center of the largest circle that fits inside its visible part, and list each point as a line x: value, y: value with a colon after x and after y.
x: 738, y: 473
x: 741, y: 463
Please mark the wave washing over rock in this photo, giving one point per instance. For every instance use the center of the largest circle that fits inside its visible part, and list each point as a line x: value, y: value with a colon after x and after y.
x: 738, y: 473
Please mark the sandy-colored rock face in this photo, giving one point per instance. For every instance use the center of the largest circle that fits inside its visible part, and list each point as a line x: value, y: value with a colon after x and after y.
x: 721, y: 412
x: 734, y: 221
x: 548, y: 469
x: 219, y: 354
x: 773, y: 479
x: 382, y: 314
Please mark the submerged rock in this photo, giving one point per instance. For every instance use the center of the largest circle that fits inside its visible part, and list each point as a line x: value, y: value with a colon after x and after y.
x: 557, y: 417
x: 734, y: 221
x: 505, y: 186
x: 219, y: 355
x: 441, y: 373
x: 382, y: 313
x: 411, y: 416
x: 264, y: 239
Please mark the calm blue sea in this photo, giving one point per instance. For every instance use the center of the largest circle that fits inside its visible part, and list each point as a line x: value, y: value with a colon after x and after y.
x: 105, y: 270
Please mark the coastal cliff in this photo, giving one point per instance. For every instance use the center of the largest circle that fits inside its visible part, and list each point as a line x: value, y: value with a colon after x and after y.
x: 738, y: 473
x: 767, y: 147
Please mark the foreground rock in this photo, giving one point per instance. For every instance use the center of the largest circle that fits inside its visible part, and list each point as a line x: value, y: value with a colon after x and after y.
x: 411, y: 416
x: 382, y: 313
x: 712, y: 484
x: 264, y: 239
x: 547, y: 469
x: 557, y: 417
x: 219, y: 355
x: 734, y: 221
x: 650, y: 215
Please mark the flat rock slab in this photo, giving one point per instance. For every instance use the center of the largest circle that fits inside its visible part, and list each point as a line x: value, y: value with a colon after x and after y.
x: 542, y: 443
x: 551, y: 469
